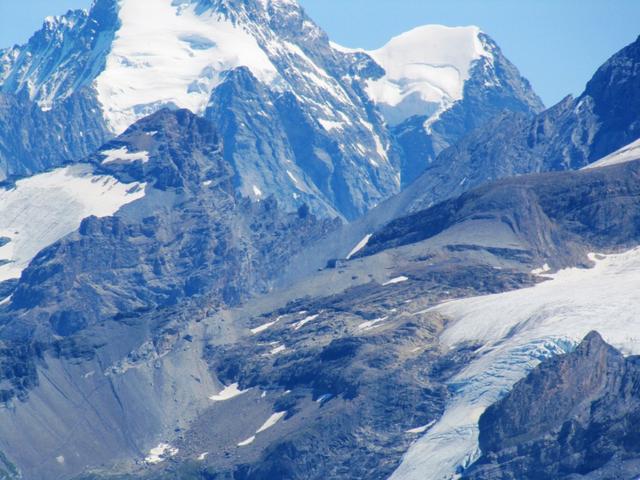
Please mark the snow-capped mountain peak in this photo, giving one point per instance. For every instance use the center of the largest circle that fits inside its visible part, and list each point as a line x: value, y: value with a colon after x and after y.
x: 172, y: 54
x: 426, y: 70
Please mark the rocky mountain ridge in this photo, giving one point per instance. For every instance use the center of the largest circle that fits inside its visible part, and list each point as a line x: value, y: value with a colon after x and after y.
x: 295, y: 112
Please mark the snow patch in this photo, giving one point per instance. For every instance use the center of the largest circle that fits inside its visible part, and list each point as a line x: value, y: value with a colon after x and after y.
x: 246, y: 442
x: 304, y: 321
x: 293, y: 178
x: 160, y: 453
x: 278, y: 349
x: 393, y: 281
x: 324, y: 398
x: 227, y: 393
x: 266, y: 326
x: 330, y: 125
x: 371, y: 324
x: 123, y: 155
x: 257, y: 192
x: 361, y: 244
x: 271, y: 421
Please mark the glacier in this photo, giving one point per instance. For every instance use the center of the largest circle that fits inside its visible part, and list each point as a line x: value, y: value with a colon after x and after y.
x: 517, y: 330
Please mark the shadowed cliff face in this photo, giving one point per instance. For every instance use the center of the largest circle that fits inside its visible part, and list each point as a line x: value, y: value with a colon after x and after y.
x: 574, y: 416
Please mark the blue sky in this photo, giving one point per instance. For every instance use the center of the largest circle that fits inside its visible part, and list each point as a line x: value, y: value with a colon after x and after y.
x: 557, y: 44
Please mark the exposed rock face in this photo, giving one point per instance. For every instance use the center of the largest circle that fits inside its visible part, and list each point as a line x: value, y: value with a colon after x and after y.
x: 190, y: 232
x: 572, y: 417
x: 350, y: 368
x: 294, y: 112
x: 32, y: 140
x: 49, y: 113
x: 285, y: 81
x: 154, y: 343
x: 190, y: 244
x: 553, y: 214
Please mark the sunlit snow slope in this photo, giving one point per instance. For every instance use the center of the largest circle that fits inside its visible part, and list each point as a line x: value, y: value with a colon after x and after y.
x: 44, y: 208
x: 628, y: 153
x: 516, y: 330
x: 426, y: 69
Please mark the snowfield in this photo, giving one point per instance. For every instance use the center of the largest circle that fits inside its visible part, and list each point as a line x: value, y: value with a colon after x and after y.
x: 517, y: 330
x: 42, y: 209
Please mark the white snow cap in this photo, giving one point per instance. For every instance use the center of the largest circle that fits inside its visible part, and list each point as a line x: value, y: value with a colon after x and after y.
x: 172, y: 55
x: 426, y: 69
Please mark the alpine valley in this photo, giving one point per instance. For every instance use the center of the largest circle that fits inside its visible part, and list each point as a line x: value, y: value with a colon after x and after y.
x: 233, y: 249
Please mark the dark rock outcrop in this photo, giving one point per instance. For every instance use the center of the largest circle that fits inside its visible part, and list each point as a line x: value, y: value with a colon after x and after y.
x: 556, y: 215
x: 574, y: 416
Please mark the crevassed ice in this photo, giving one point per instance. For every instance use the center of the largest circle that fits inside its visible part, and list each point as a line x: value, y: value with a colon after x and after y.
x: 517, y: 330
